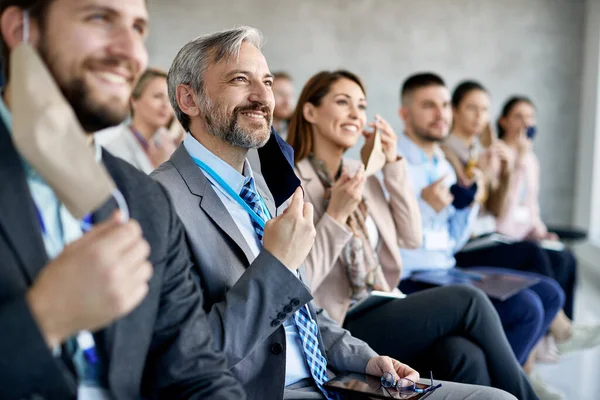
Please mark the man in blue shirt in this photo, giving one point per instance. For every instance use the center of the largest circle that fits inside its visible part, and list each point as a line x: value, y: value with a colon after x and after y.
x: 447, y: 221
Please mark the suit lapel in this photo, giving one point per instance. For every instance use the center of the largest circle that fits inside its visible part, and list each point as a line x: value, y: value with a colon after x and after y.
x: 18, y: 221
x: 116, y: 339
x: 210, y: 202
x: 107, y: 338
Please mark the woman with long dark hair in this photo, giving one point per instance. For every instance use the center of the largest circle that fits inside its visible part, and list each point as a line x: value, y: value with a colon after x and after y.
x: 453, y: 331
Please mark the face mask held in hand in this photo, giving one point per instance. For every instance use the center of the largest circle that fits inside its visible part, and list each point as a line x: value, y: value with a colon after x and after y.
x: 48, y: 135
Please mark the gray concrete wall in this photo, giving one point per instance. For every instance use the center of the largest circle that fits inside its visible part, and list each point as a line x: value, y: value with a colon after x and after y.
x: 512, y: 46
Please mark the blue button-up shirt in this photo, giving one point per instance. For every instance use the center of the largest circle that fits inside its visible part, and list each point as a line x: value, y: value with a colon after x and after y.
x: 296, y: 368
x: 452, y: 224
x: 60, y: 226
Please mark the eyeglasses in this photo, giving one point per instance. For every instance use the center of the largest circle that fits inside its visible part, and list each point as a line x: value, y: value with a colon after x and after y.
x: 406, y: 387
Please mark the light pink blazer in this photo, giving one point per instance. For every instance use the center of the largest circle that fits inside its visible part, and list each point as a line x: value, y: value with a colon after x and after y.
x: 523, y: 195
x: 397, y: 219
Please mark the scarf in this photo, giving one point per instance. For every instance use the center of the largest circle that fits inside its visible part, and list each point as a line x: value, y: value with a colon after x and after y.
x: 360, y: 258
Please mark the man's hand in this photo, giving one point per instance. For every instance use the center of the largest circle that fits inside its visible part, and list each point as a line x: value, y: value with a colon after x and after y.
x: 346, y: 194
x: 290, y: 236
x: 437, y: 195
x: 95, y: 280
x: 377, y: 366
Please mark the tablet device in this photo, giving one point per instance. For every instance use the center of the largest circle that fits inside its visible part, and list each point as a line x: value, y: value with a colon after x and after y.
x: 354, y: 386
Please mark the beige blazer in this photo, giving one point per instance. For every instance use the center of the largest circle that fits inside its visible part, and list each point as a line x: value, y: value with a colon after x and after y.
x: 398, y: 220
x: 125, y: 146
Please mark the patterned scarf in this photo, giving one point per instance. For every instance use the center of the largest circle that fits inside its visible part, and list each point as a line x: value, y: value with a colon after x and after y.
x: 360, y: 258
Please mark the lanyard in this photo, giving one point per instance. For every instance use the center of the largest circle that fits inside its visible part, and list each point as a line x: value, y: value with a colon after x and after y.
x: 431, y: 169
x: 86, y: 222
x: 141, y: 139
x: 234, y: 195
x: 85, y: 340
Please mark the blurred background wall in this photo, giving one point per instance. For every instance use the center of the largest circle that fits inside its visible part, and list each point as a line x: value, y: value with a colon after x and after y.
x: 533, y: 47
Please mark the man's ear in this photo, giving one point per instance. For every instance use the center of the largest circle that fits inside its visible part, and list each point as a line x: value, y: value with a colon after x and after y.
x: 186, y: 100
x: 403, y: 113
x: 11, y: 27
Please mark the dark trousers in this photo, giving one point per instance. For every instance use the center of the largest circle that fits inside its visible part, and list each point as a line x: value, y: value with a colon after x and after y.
x: 452, y: 331
x: 530, y: 257
x: 525, y: 317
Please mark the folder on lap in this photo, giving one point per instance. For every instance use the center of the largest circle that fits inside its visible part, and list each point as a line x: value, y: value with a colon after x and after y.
x: 496, y: 285
x: 487, y: 241
x: 374, y: 299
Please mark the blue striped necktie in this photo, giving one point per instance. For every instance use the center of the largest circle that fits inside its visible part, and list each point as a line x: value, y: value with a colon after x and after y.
x: 249, y: 195
x: 307, y: 327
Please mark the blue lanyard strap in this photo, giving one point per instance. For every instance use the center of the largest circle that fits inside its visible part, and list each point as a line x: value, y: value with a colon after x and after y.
x: 235, y: 196
x: 85, y: 340
x: 86, y: 222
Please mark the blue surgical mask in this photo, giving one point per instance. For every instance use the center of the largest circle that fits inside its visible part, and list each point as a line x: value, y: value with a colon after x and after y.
x: 531, y: 132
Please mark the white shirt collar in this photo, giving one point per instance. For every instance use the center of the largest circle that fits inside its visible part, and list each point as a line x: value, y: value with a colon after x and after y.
x: 229, y: 174
x: 414, y: 154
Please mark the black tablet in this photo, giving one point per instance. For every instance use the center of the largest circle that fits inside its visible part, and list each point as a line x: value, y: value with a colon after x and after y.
x: 351, y: 386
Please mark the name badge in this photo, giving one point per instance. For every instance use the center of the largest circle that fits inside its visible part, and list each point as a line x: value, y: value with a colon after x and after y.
x: 89, y: 392
x: 522, y: 214
x: 436, y: 240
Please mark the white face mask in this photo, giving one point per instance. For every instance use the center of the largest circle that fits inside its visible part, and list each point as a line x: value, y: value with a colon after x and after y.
x: 49, y: 137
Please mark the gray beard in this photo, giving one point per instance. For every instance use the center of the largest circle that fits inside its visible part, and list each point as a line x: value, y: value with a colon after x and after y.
x: 227, y: 128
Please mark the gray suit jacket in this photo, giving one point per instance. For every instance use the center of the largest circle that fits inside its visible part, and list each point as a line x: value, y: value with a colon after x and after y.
x: 247, y: 302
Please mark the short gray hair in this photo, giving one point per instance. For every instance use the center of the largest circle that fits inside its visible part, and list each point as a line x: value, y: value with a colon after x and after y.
x: 194, y: 58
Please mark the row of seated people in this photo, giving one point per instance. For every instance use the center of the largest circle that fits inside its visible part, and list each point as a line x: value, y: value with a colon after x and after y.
x: 362, y: 220
x: 207, y: 291
x: 372, y: 218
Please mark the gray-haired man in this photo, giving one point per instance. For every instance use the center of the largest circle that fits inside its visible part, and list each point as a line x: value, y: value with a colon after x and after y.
x: 249, y: 258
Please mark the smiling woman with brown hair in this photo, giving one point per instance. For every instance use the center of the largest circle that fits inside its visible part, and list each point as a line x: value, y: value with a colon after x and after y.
x: 453, y: 331
x: 145, y: 143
